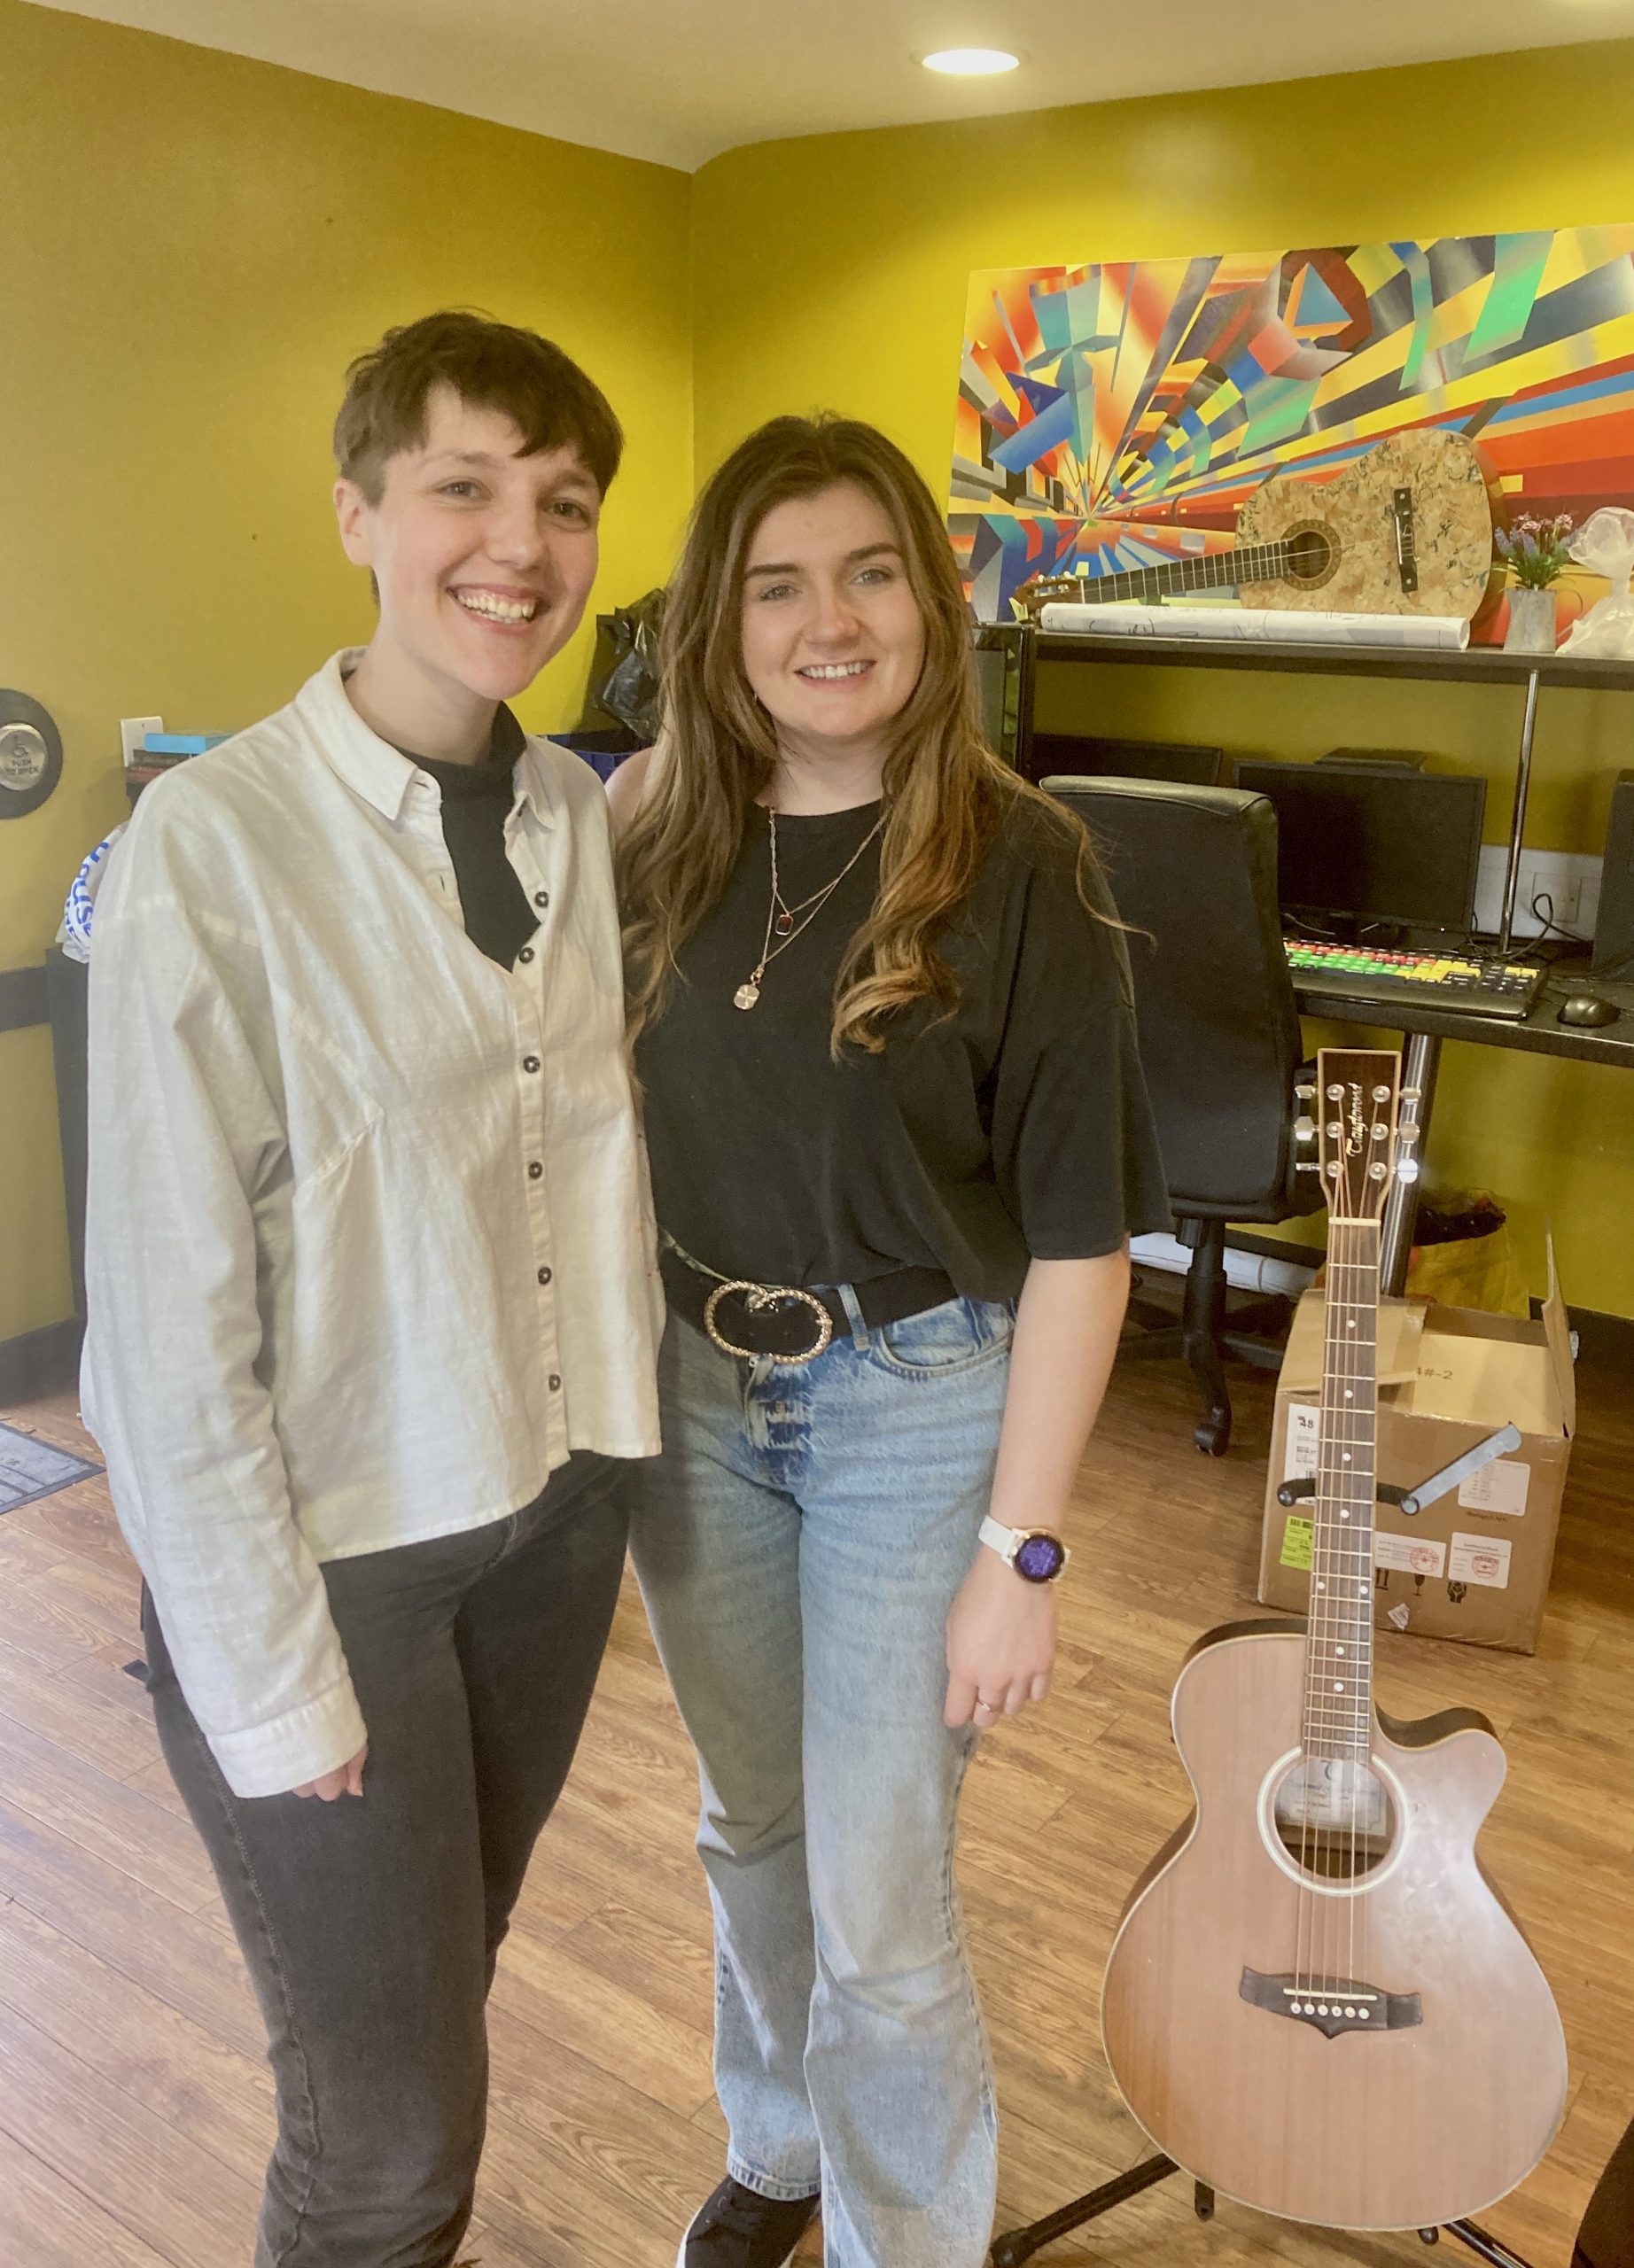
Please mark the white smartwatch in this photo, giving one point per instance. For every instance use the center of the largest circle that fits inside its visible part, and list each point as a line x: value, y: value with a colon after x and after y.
x: 1037, y: 1554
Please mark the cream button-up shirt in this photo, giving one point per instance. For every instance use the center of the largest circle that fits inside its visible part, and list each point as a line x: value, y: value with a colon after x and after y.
x: 369, y: 1245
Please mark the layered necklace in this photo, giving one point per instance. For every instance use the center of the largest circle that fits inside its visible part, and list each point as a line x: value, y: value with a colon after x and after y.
x: 787, y: 922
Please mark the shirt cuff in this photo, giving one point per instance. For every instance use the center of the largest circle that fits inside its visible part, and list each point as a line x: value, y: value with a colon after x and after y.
x: 305, y: 1742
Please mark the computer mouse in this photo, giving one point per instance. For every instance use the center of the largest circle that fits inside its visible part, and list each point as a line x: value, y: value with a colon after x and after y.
x: 1586, y: 1009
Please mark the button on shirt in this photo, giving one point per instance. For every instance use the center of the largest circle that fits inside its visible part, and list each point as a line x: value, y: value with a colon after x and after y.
x: 369, y: 1242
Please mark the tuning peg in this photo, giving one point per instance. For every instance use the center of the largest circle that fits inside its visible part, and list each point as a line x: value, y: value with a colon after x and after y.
x: 1413, y: 1095
x: 1408, y: 1169
x: 1308, y: 1166
x: 1409, y: 1132
x: 1304, y: 1090
x: 1305, y: 1128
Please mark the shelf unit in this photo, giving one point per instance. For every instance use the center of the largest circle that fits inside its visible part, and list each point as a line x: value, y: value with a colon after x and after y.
x: 1026, y: 646
x: 1475, y: 665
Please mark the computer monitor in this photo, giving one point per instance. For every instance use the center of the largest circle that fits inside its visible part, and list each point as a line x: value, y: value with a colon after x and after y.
x: 1090, y: 755
x: 1381, y: 844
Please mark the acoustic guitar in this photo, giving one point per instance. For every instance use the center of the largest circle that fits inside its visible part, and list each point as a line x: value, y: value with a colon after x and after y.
x: 1407, y: 529
x: 1316, y: 2002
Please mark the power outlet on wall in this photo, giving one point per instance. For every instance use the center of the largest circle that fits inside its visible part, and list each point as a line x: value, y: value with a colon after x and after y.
x: 1564, y: 885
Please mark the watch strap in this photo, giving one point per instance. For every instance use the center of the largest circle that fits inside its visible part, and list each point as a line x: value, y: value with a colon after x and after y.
x: 1000, y: 1539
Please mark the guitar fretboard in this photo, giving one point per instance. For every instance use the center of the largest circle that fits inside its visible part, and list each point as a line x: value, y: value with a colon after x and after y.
x: 1338, y: 1709
x: 1219, y: 571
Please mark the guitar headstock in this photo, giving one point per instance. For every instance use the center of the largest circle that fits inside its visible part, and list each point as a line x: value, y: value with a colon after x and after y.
x: 1045, y: 590
x: 1365, y: 1127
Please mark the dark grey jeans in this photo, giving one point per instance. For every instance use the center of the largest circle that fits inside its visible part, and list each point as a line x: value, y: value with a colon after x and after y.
x: 370, y: 1927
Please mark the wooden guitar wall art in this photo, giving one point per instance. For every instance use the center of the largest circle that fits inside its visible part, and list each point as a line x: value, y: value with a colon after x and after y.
x: 1316, y: 2002
x: 1407, y: 529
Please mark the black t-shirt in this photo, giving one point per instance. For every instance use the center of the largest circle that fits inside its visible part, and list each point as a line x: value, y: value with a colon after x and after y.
x: 477, y: 800
x: 1016, y: 1128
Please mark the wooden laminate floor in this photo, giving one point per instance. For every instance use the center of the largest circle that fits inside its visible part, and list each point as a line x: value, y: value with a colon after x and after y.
x: 135, y: 2109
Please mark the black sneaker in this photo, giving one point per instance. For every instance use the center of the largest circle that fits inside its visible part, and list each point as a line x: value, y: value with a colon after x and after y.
x: 739, y: 2228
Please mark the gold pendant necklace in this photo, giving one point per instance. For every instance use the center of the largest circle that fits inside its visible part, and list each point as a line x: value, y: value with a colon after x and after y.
x: 782, y: 917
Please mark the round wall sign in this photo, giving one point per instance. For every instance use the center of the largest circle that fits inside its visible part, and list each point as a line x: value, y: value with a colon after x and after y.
x: 30, y: 754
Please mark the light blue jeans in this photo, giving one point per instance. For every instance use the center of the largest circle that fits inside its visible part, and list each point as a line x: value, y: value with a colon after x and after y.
x: 799, y: 1543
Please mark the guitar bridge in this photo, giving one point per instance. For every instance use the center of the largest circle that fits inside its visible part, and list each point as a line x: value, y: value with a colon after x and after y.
x: 1336, y: 2004
x: 1406, y: 548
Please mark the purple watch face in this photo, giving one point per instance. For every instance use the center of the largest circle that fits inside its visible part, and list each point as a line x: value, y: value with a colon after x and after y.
x: 1040, y: 1559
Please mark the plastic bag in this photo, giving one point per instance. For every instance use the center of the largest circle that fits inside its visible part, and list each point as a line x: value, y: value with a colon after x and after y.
x: 74, y: 935
x: 1605, y: 545
x: 1464, y: 1256
x: 630, y: 689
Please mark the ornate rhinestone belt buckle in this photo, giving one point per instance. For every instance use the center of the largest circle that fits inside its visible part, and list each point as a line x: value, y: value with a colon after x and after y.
x: 758, y: 1298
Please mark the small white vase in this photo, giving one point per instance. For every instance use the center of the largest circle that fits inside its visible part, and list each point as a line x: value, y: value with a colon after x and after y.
x: 1531, y: 622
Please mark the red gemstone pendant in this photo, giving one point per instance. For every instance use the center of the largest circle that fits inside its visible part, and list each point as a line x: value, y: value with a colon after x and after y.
x: 785, y: 923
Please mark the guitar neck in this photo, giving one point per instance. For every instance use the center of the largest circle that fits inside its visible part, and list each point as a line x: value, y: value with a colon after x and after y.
x: 1338, y: 1705
x: 1212, y: 571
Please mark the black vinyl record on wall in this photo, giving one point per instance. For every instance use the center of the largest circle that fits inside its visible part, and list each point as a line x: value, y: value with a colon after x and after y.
x: 30, y: 754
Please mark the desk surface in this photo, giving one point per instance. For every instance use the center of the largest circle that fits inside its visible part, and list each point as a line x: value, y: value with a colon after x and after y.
x: 1536, y: 1034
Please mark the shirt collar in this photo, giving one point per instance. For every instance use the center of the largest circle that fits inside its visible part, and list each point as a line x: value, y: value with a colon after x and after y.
x: 373, y: 769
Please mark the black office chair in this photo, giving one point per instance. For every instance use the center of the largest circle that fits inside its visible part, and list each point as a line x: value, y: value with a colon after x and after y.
x: 1194, y: 869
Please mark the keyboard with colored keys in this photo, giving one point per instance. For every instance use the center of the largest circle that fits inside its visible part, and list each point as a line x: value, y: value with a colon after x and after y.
x: 1479, y: 987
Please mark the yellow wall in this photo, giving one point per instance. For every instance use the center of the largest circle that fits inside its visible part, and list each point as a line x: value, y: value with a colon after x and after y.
x: 832, y: 272
x: 195, y: 244
x: 192, y: 249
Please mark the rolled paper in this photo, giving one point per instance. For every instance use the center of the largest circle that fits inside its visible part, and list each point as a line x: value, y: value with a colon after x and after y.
x: 1261, y: 625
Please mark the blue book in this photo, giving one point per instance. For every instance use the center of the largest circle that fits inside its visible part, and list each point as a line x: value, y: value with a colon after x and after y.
x: 181, y: 743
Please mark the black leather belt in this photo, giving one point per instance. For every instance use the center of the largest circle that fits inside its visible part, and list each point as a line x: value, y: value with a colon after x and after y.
x: 785, y: 1321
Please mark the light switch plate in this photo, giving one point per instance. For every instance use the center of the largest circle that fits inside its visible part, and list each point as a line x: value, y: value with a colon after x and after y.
x: 133, y: 731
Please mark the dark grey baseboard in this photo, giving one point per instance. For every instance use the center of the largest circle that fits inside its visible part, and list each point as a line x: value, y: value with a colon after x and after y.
x: 39, y: 1362
x: 22, y: 998
x: 1608, y: 1340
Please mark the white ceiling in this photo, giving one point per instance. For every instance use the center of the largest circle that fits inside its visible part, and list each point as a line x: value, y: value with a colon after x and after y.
x: 678, y: 81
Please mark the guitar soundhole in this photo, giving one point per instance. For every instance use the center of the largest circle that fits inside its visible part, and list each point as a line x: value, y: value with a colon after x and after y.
x: 1310, y: 556
x: 1334, y: 1820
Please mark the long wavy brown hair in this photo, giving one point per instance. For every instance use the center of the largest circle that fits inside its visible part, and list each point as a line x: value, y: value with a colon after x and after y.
x: 945, y: 792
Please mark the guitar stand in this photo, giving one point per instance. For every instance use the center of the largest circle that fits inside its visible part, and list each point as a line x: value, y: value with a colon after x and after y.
x: 1009, y: 2251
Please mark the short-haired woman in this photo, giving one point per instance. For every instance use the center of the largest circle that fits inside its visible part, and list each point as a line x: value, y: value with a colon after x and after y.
x: 899, y: 1141
x: 371, y: 1289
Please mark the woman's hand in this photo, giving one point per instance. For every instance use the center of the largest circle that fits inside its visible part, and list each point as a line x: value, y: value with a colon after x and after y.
x: 1000, y: 1643
x: 345, y: 1780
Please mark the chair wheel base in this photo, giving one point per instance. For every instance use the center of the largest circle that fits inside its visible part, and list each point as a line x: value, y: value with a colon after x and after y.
x: 1213, y: 1436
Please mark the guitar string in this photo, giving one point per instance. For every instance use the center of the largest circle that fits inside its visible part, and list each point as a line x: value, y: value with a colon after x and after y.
x: 1336, y: 1512
x: 1356, y: 1270
x: 1352, y: 1618
x: 1356, y: 1780
x: 1309, y: 1844
x: 1331, y: 1719
x: 1267, y: 558
x: 1366, y: 1241
x: 1361, y: 1910
x: 1360, y: 1781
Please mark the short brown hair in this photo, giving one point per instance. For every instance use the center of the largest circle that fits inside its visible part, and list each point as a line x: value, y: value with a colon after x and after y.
x: 496, y: 365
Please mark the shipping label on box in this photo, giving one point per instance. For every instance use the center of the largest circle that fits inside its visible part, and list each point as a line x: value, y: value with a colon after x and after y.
x: 1474, y: 1564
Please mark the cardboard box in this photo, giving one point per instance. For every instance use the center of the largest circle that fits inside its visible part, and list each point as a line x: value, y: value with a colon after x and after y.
x: 1475, y: 1563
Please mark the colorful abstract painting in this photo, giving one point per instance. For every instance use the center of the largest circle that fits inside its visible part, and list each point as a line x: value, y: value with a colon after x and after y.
x: 1117, y: 416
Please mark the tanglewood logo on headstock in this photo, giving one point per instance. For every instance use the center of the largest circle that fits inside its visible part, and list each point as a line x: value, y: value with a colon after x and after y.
x: 1357, y: 1139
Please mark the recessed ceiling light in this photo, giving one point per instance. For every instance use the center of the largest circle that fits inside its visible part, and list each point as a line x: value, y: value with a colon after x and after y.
x: 970, y: 62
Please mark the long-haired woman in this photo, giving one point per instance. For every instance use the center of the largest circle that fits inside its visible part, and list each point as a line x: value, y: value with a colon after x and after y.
x: 899, y: 1142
